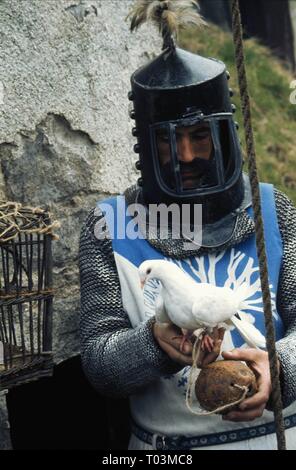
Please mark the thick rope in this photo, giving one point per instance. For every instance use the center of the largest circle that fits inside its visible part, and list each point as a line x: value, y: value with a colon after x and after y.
x: 259, y: 229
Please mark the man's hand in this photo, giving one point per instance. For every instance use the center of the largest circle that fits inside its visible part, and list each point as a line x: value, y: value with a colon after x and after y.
x: 169, y: 338
x: 208, y: 355
x: 252, y: 407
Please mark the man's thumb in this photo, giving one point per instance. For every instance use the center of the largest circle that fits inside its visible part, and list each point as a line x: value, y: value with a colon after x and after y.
x: 230, y: 354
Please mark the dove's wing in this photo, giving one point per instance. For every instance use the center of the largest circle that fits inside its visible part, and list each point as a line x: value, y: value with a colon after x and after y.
x: 249, y: 332
x: 161, y: 315
x: 212, y: 305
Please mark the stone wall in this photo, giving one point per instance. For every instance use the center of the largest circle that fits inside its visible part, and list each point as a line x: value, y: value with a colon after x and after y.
x: 5, y: 443
x: 65, y: 138
x: 65, y: 134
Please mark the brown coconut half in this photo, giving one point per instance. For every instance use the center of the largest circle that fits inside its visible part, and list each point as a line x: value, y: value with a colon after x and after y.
x: 215, y: 385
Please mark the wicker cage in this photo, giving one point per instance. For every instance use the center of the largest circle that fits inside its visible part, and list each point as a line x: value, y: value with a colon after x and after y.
x: 26, y: 294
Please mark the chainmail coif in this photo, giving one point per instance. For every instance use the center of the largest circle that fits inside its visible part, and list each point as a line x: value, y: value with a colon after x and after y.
x: 118, y: 359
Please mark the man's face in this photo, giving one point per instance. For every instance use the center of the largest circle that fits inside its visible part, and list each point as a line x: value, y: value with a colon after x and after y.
x: 194, y: 149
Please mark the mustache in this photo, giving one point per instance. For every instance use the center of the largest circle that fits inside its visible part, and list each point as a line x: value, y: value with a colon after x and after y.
x: 199, y: 168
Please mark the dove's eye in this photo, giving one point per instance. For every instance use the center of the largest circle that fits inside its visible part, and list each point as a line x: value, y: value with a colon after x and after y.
x: 148, y: 271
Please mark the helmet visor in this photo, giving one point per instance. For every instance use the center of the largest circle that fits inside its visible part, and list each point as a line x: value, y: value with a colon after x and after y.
x: 194, y: 155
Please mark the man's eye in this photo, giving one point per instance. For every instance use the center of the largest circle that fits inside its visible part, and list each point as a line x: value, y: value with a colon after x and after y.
x: 200, y: 135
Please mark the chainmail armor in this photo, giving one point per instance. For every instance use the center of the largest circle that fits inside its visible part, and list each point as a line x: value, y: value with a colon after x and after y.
x: 119, y: 360
x: 116, y: 358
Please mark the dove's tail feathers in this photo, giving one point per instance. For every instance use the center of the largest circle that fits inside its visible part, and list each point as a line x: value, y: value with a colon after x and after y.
x: 249, y: 332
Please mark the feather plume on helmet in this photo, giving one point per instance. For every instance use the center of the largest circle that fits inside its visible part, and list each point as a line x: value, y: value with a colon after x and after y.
x: 168, y: 15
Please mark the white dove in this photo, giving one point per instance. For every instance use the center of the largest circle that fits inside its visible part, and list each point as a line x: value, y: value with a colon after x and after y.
x: 191, y: 305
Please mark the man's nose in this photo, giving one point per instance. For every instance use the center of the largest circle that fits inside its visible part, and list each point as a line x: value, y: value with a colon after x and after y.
x: 185, y: 152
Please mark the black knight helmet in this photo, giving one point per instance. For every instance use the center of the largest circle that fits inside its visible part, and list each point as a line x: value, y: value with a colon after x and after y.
x: 180, y: 94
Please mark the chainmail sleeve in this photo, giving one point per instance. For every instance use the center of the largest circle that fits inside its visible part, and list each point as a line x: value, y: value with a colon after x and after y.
x: 286, y: 347
x: 117, y: 359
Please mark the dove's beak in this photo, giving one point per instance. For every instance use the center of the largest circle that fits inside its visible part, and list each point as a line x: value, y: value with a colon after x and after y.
x: 142, y: 284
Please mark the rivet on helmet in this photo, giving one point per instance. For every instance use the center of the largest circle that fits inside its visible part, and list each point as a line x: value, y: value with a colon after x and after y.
x: 135, y: 132
x: 130, y: 95
x: 138, y: 165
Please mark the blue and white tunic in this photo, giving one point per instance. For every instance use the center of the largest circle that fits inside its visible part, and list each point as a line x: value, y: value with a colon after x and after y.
x: 160, y: 407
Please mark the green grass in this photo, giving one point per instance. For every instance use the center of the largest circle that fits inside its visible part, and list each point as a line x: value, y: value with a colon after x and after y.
x: 274, y: 117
